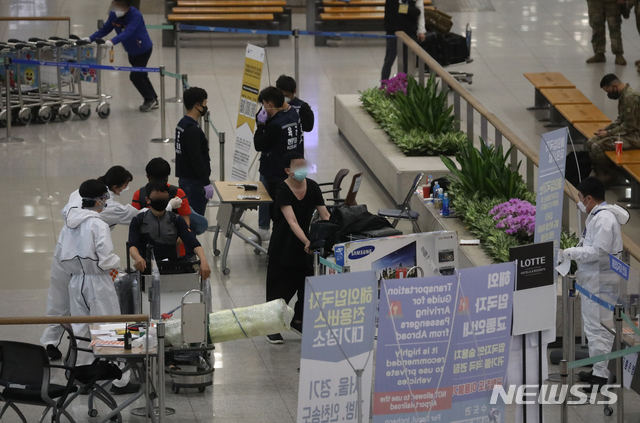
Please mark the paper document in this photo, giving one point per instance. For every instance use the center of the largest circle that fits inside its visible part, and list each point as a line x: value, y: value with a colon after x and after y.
x: 563, y: 269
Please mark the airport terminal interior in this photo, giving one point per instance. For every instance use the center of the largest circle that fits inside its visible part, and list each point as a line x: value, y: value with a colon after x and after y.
x: 255, y: 381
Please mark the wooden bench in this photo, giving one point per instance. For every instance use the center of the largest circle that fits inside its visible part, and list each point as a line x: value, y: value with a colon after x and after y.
x: 230, y: 9
x: 542, y: 80
x: 588, y: 129
x: 221, y: 3
x: 351, y: 16
x: 629, y: 157
x: 578, y: 113
x: 357, y: 9
x: 220, y: 17
x: 557, y: 96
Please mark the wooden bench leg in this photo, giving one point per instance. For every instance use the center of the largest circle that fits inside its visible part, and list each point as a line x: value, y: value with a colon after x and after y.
x: 272, y: 39
x: 555, y: 119
x: 285, y: 23
x: 634, y: 200
x: 539, y: 101
x: 168, y: 37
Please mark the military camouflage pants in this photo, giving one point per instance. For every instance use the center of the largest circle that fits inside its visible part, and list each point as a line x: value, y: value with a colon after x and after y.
x: 601, y: 12
x: 599, y: 160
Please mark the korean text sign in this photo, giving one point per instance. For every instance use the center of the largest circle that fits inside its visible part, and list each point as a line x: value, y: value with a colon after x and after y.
x: 247, y: 109
x: 339, y: 319
x: 553, y: 152
x: 443, y: 343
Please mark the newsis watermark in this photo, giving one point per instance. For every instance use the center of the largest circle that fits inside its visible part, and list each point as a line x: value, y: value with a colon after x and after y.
x: 552, y: 395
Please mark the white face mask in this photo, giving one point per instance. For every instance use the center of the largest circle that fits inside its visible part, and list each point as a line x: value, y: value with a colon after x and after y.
x: 120, y: 13
x: 287, y: 99
x: 582, y: 207
x: 125, y: 189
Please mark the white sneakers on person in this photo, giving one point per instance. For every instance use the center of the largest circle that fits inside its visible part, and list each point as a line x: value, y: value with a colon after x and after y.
x: 265, y: 234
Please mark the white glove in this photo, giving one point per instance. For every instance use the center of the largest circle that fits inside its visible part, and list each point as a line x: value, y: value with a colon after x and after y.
x: 108, y: 44
x: 175, y: 203
x: 87, y: 39
x: 560, y: 257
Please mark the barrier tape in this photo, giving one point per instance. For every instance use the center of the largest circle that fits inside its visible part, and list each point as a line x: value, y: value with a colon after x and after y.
x: 330, y: 265
x: 214, y: 127
x: 594, y: 298
x: 84, y: 66
x: 277, y: 32
x: 159, y: 26
x: 609, y: 356
x: 172, y: 75
x: 631, y: 324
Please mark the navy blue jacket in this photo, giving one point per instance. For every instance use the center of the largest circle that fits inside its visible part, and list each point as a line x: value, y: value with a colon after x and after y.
x: 279, y: 135
x: 130, y: 31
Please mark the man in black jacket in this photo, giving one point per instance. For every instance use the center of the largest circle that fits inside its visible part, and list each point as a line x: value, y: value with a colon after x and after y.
x: 278, y: 132
x: 193, y: 164
x: 401, y: 15
x: 288, y: 86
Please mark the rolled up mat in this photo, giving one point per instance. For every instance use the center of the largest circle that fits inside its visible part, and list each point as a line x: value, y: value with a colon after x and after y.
x: 246, y: 322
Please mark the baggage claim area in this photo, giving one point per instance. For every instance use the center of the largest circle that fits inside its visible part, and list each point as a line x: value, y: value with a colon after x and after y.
x: 319, y: 211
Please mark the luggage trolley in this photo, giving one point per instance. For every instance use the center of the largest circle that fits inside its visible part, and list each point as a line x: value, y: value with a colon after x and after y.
x: 194, y: 350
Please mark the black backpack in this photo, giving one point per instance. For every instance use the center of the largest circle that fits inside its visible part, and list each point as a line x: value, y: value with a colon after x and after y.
x: 576, y: 172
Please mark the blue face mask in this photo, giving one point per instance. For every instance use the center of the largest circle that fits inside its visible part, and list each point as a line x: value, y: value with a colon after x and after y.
x: 300, y: 174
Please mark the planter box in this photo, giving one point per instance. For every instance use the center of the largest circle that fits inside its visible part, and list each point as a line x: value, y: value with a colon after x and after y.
x: 385, y: 161
x: 473, y: 255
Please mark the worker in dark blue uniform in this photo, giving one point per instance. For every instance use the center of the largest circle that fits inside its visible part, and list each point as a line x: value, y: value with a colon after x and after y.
x: 289, y: 89
x: 193, y: 163
x: 279, y: 131
x: 132, y: 33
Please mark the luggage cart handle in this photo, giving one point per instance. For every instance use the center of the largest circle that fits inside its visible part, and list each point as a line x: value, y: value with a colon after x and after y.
x: 99, y: 41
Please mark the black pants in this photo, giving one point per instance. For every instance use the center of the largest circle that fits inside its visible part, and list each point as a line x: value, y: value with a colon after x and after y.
x: 284, y: 282
x: 194, y: 190
x: 141, y: 79
x: 390, y: 57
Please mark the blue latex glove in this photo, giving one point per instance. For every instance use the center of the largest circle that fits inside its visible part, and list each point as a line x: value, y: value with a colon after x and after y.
x: 262, y: 116
x: 208, y: 192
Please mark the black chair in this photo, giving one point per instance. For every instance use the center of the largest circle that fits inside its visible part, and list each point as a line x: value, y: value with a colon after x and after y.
x: 25, y: 373
x: 336, y: 185
x: 405, y: 212
x: 91, y: 379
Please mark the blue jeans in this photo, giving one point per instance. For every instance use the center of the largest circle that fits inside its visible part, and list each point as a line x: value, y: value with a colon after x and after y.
x: 199, y: 223
x: 264, y: 217
x: 195, y: 192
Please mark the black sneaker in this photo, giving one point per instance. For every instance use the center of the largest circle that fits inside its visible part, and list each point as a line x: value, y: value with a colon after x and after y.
x: 596, y: 383
x: 53, y: 352
x: 276, y: 338
x: 148, y: 105
x: 129, y: 388
x: 585, y: 376
x: 156, y: 105
x: 296, y: 327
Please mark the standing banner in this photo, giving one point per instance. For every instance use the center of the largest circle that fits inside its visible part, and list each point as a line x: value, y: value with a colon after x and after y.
x: 550, y: 190
x: 443, y: 344
x: 247, y: 109
x: 339, y: 314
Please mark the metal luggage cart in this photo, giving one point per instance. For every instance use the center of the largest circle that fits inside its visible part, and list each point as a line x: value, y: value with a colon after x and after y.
x: 194, y: 350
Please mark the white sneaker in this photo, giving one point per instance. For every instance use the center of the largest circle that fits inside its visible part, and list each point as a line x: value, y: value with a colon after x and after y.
x: 265, y: 234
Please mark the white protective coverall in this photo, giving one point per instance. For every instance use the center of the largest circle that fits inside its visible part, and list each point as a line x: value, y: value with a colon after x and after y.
x: 600, y: 238
x: 85, y: 252
x: 58, y: 299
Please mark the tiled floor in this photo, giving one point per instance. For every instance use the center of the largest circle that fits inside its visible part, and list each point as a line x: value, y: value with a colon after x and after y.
x: 256, y: 381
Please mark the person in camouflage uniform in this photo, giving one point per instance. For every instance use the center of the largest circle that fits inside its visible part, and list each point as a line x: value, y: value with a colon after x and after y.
x: 607, y: 12
x: 626, y: 128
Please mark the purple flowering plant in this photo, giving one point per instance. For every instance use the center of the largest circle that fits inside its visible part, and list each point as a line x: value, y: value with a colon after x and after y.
x: 516, y: 217
x: 395, y: 84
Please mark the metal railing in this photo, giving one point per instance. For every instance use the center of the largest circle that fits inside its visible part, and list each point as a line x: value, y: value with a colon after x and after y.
x: 487, y: 119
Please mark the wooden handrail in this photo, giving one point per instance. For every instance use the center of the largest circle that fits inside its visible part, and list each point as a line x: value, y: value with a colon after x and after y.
x: 434, y: 66
x: 48, y: 320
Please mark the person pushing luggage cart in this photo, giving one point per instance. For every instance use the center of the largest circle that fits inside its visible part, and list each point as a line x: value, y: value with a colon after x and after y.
x: 132, y: 33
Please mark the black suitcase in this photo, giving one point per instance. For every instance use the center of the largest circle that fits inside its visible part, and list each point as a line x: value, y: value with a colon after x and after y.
x: 455, y: 48
x: 447, y: 49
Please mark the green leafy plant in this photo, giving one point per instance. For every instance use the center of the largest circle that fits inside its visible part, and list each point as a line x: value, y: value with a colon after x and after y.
x: 417, y: 138
x: 485, y: 173
x: 425, y: 107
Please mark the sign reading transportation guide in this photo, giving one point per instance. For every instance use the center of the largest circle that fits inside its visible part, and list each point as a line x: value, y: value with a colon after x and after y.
x: 443, y: 344
x: 338, y: 332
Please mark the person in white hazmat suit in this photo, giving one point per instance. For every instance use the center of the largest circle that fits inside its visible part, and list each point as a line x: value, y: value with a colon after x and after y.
x: 117, y: 181
x: 85, y: 251
x: 600, y: 238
